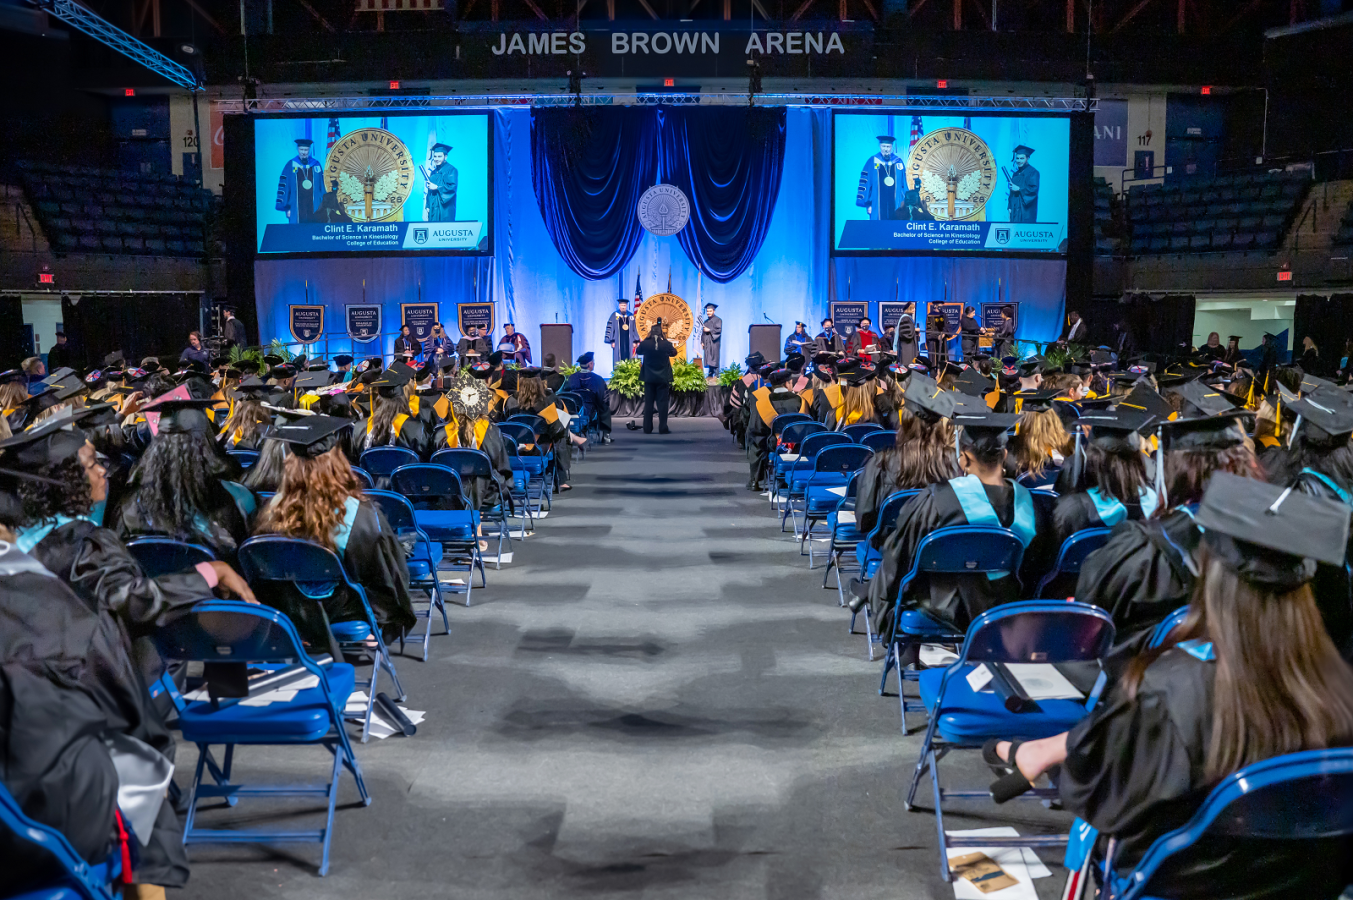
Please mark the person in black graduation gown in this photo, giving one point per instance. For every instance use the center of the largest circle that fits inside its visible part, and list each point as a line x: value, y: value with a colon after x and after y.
x: 533, y: 397
x: 185, y: 487
x: 765, y: 403
x: 982, y: 496
x: 320, y: 500
x: 469, y: 428
x: 1112, y: 485
x: 736, y: 409
x: 1146, y: 570
x: 1042, y: 442
x: 248, y: 422
x: 1248, y: 675
x: 391, y: 422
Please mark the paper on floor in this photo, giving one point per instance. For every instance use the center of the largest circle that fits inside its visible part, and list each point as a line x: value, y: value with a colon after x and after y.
x: 380, y: 729
x: 504, y: 558
x: 1021, y: 863
x: 935, y: 656
x: 845, y: 516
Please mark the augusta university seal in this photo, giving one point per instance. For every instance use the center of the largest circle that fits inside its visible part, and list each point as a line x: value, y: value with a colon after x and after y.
x: 664, y: 210
x: 954, y: 172
x: 371, y: 170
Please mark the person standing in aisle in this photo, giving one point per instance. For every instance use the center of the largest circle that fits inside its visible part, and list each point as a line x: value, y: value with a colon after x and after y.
x: 656, y: 373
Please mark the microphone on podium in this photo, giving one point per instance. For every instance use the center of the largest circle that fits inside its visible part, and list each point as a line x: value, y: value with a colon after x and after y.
x: 768, y: 318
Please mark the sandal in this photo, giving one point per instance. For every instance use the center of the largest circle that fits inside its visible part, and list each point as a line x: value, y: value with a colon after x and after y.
x: 1013, y: 783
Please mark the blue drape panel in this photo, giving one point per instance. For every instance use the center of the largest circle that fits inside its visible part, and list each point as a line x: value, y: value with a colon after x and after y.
x: 728, y: 162
x: 588, y: 181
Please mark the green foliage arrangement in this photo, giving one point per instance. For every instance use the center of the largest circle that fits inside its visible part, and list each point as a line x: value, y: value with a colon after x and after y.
x: 567, y: 370
x: 687, y: 376
x: 277, y: 348
x: 238, y: 353
x: 729, y: 375
x: 625, y: 379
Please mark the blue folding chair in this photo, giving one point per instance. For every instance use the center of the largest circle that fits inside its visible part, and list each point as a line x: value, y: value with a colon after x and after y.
x: 1298, y: 797
x: 523, y: 434
x: 1167, y: 625
x: 379, y: 462
x: 788, y: 443
x: 444, y: 512
x: 315, y: 572
x: 519, y: 487
x: 363, y: 477
x: 475, y: 464
x: 783, y: 421
x: 977, y: 551
x: 1072, y: 555
x: 833, y: 469
x: 844, y: 531
x: 1045, y: 501
x: 246, y: 458
x: 162, y: 556
x: 422, y: 565
x: 79, y: 880
x: 858, y: 433
x: 791, y: 474
x: 1028, y: 631
x: 229, y: 631
x: 868, y: 556
x: 879, y: 440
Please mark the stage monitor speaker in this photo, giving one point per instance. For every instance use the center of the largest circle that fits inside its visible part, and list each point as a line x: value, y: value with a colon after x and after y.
x: 557, y: 339
x: 765, y: 339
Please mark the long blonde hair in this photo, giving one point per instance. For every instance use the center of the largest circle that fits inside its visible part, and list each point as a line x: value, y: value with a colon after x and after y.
x: 311, y: 499
x: 1040, y: 435
x: 857, y: 405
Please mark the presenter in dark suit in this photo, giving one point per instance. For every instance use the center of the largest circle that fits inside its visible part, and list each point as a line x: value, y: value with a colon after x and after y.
x: 656, y: 372
x: 232, y: 329
x: 1076, y: 332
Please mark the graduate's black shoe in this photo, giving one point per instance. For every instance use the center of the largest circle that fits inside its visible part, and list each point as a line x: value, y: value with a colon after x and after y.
x: 753, y: 486
x: 664, y: 431
x: 857, y: 603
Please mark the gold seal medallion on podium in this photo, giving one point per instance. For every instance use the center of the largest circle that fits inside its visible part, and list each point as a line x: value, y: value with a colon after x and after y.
x: 677, y: 322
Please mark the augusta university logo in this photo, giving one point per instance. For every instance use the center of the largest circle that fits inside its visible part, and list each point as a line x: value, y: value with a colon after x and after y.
x: 420, y: 235
x: 1002, y: 235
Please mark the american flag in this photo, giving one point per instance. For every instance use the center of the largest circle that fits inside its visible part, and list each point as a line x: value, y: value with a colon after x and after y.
x: 967, y: 123
x: 915, y: 131
x: 333, y: 135
x: 638, y: 291
x: 385, y: 123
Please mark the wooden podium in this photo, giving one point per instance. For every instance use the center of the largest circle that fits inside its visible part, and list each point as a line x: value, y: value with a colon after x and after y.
x: 557, y: 339
x: 765, y: 339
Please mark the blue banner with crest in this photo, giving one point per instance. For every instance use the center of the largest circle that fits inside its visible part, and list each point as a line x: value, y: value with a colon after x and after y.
x: 480, y: 315
x: 307, y: 322
x: 364, y: 321
x: 420, y: 317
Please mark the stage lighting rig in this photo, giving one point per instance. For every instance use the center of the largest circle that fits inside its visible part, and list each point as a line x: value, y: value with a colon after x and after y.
x: 105, y: 32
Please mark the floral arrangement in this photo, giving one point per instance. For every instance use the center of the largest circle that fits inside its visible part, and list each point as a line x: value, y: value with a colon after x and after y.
x: 729, y: 375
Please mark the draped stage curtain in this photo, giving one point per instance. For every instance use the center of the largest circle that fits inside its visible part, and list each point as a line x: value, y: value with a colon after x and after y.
x: 590, y: 166
x: 1328, y: 321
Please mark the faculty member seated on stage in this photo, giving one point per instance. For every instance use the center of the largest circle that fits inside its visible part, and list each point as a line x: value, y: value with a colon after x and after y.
x: 471, y: 348
x: 514, y: 345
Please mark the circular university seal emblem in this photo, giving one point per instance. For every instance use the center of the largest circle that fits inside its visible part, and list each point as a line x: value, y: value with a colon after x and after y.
x: 373, y: 174
x: 955, y: 171
x: 664, y: 210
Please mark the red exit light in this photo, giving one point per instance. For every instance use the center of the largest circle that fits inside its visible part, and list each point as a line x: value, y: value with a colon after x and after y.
x: 942, y: 83
x: 129, y: 92
x: 1284, y: 276
x: 394, y: 85
x: 1207, y: 89
x: 46, y: 278
x: 669, y: 82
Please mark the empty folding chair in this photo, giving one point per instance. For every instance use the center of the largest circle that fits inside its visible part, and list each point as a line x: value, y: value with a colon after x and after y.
x: 163, y: 556
x: 77, y: 880
x: 363, y: 477
x: 879, y: 440
x: 228, y: 634
x: 316, y: 572
x: 379, y: 462
x: 790, y: 473
x: 445, y: 513
x: 857, y: 432
x: 1072, y: 555
x: 519, y: 487
x: 1027, y: 632
x: 832, y: 470
x: 422, y: 565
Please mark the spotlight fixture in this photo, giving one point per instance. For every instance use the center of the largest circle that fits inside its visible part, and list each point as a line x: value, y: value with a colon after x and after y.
x: 187, y: 49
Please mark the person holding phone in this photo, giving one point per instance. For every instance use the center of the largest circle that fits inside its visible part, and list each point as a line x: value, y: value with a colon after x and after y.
x: 656, y: 373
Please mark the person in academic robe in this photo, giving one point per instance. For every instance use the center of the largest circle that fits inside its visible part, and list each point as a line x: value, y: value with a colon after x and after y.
x: 1146, y: 570
x: 937, y: 338
x: 587, y: 384
x: 320, y: 500
x: 185, y: 487
x: 711, y: 339
x: 1003, y: 339
x: 799, y: 341
x: 514, y: 345
x: 1232, y: 355
x: 864, y: 343
x: 981, y: 496
x: 922, y: 455
x: 828, y: 395
x: 857, y: 397
x: 620, y: 332
x: 391, y: 422
x: 1212, y: 350
x: 406, y: 344
x: 441, y: 182
x: 232, y: 329
x: 765, y: 403
x: 248, y: 422
x: 1023, y: 200
x: 472, y: 347
x: 1041, y: 446
x: 469, y: 428
x: 531, y: 396
x: 1249, y: 675
x: 968, y: 330
x: 739, y: 398
x: 914, y: 205
x: 1075, y: 331
x: 553, y: 378
x: 905, y: 344
x: 300, y: 187
x: 883, y: 182
x: 828, y: 340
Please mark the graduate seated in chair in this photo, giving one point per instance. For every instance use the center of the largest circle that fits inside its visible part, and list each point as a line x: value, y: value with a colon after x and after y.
x: 1112, y: 485
x: 391, y: 422
x: 857, y: 396
x: 1041, y: 444
x: 533, y: 397
x: 320, y: 500
x: 248, y: 422
x: 1250, y: 674
x: 469, y: 428
x: 772, y: 399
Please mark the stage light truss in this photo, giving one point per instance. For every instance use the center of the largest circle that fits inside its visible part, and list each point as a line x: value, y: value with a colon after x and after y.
x: 268, y: 105
x: 103, y: 31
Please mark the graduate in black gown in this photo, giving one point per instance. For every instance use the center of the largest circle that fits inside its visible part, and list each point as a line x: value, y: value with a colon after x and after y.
x: 469, y: 428
x: 1249, y: 675
x: 391, y: 422
x: 320, y: 500
x: 248, y: 422
x: 1040, y: 446
x: 981, y: 496
x: 1147, y: 569
x: 1112, y: 485
x: 774, y: 398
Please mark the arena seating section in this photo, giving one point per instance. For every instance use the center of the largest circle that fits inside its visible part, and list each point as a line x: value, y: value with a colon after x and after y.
x: 1108, y: 220
x: 91, y: 210
x: 1230, y: 212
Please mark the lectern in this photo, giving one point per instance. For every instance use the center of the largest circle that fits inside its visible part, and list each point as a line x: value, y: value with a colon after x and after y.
x: 557, y: 339
x: 764, y: 339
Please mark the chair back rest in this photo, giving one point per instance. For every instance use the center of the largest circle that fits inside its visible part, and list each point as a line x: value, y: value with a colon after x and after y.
x: 784, y: 420
x: 891, y: 508
x: 54, y: 843
x: 813, y: 443
x: 381, y: 461
x: 1167, y: 625
x: 272, y: 557
x: 536, y: 423
x: 161, y: 555
x: 396, y: 507
x: 841, y: 459
x: 969, y: 550
x: 1296, y: 797
x: 1080, y: 545
x: 571, y: 403
x: 229, y: 631
x: 519, y: 432
x: 857, y: 432
x: 363, y: 477
x: 1039, y: 631
x: 464, y: 462
x: 1045, y: 500
x: 879, y: 440
x: 246, y: 458
x: 429, y: 486
x: 795, y: 432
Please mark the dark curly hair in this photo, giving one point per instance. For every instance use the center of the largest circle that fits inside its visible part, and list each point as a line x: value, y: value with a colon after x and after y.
x: 176, y: 479
x: 43, y: 502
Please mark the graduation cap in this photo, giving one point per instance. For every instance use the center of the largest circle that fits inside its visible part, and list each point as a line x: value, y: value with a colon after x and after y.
x: 1310, y: 383
x: 391, y: 384
x: 343, y: 359
x: 13, y: 375
x: 886, y: 139
x: 273, y: 359
x: 59, y: 375
x: 313, y: 435
x: 1022, y: 148
x: 766, y: 370
x: 496, y: 358
x: 282, y: 372
x: 1113, y: 428
x: 309, y: 381
x: 181, y: 415
x: 974, y: 383
x: 1203, y: 400
x: 482, y: 371
x: 252, y: 387
x: 114, y: 358
x: 984, y: 426
x: 1031, y: 367
x: 711, y: 306
x: 1271, y: 536
x: 1330, y: 413
x: 303, y: 142
x: 1206, y: 433
x: 795, y: 362
x: 402, y: 368
x: 754, y: 360
x: 926, y: 399
x: 1144, y: 398
x: 860, y: 374
x: 441, y: 148
x: 470, y: 396
x: 779, y: 377
x: 49, y: 444
x: 586, y: 358
x: 1036, y: 401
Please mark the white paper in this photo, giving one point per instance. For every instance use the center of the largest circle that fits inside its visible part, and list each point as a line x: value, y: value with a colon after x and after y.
x: 935, y: 656
x: 838, y: 491
x: 490, y: 560
x: 380, y: 729
x: 1042, y: 681
x: 845, y: 517
x: 979, y: 678
x: 789, y: 457
x: 1020, y: 863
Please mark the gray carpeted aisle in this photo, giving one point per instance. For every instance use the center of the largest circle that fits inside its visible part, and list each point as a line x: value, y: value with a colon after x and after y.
x: 656, y: 698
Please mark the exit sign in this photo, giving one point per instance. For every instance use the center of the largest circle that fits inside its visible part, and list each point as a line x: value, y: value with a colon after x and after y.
x: 1285, y: 276
x: 46, y: 278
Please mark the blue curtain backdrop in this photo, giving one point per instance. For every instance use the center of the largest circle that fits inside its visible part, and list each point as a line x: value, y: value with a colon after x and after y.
x: 790, y: 279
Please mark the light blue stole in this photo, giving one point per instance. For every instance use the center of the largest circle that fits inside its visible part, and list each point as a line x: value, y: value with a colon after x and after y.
x: 977, y: 509
x: 320, y: 590
x: 1111, y: 511
x: 29, y: 537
